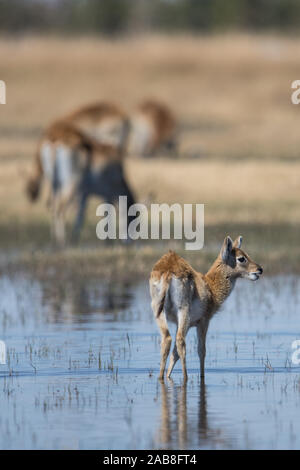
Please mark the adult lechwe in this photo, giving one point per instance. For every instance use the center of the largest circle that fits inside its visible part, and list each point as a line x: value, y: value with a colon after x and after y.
x: 103, y: 121
x: 75, y: 166
x: 153, y: 127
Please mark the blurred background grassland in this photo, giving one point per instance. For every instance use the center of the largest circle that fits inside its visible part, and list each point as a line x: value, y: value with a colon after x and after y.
x: 229, y: 83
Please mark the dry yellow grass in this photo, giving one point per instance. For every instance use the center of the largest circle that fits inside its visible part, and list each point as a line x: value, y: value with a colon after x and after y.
x: 243, y: 192
x: 260, y: 192
x: 231, y: 93
x: 232, y: 97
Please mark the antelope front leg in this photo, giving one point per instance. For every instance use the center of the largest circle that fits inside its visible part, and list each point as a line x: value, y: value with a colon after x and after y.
x: 201, y: 333
x: 57, y: 225
x: 60, y: 227
x: 79, y: 217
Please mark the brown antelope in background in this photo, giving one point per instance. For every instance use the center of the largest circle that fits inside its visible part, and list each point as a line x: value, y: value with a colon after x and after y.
x: 103, y: 121
x: 75, y: 167
x: 184, y: 296
x: 153, y: 125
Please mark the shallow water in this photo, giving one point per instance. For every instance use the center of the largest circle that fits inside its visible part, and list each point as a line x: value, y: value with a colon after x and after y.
x: 82, y: 366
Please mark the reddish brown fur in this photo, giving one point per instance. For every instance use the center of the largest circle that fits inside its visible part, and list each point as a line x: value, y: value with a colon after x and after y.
x: 71, y: 136
x: 93, y: 120
x: 193, y: 298
x: 162, y: 119
x: 172, y: 264
x: 66, y: 133
x: 96, y: 112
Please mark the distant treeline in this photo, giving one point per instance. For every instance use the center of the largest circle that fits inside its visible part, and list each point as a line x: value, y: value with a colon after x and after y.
x: 122, y: 16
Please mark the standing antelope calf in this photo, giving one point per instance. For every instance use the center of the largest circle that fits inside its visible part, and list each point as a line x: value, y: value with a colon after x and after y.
x: 184, y: 296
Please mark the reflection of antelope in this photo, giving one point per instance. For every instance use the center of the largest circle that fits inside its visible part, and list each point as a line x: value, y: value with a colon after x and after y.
x: 188, y: 298
x: 75, y: 166
x: 172, y: 429
x: 175, y: 430
x: 178, y: 427
x: 103, y: 121
x: 153, y: 126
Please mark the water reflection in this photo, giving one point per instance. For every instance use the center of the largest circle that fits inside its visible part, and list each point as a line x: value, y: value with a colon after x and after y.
x: 174, y: 418
x: 84, y: 348
x: 180, y: 427
x: 74, y: 299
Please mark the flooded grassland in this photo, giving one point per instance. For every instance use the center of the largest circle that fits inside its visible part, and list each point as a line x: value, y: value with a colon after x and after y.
x: 82, y: 364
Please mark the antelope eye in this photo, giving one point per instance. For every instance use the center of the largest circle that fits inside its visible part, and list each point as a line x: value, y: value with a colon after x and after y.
x: 241, y: 259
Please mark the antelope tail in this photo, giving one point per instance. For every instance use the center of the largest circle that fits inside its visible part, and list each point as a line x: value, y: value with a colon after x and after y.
x: 162, y: 295
x: 34, y: 182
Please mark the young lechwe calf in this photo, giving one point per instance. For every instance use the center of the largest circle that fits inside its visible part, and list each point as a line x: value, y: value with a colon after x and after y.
x: 75, y: 167
x: 184, y: 296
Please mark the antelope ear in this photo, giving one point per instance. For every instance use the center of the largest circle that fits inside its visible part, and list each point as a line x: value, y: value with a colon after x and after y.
x: 226, y: 249
x: 238, y: 242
